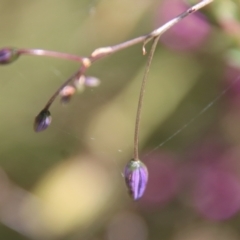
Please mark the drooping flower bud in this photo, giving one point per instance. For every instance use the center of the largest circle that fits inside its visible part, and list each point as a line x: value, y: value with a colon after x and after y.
x: 66, y: 94
x: 86, y: 81
x: 136, y: 177
x: 42, y: 121
x: 8, y: 55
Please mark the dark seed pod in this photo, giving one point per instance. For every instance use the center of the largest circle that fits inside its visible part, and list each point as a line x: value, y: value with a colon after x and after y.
x: 136, y: 177
x: 8, y: 55
x: 42, y: 121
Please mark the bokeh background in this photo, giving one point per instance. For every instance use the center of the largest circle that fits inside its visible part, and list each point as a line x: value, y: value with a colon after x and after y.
x: 66, y: 182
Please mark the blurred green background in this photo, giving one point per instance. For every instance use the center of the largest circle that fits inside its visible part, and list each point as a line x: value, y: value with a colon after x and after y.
x: 66, y: 182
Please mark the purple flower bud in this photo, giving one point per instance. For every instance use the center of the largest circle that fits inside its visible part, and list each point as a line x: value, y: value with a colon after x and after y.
x: 136, y: 177
x: 92, y: 81
x: 79, y: 83
x: 8, y: 55
x: 86, y: 81
x: 67, y: 93
x: 42, y: 121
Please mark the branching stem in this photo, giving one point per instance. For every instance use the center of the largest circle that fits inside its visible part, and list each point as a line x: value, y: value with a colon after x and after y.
x: 102, y: 52
x: 47, y: 53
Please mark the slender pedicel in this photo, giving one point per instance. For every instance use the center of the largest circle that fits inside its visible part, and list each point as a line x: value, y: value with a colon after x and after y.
x: 136, y: 173
x: 47, y: 53
x: 140, y: 101
x: 76, y: 75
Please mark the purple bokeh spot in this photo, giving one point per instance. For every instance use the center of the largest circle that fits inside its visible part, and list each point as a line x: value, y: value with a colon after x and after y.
x: 164, y: 179
x: 217, y: 194
x: 188, y: 34
x: 214, y: 180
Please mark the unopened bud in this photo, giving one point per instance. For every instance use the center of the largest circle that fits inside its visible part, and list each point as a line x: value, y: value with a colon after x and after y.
x: 91, y: 81
x: 66, y: 94
x: 136, y: 177
x: 79, y: 83
x: 8, y: 55
x: 42, y: 121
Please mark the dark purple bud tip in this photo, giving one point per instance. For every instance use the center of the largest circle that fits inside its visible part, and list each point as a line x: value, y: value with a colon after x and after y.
x: 8, y: 55
x: 42, y: 121
x: 136, y: 177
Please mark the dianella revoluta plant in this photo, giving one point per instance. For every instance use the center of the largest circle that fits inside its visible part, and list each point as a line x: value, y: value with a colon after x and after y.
x: 135, y: 173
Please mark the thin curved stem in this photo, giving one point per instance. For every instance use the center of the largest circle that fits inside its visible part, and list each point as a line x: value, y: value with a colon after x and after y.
x: 47, y: 53
x: 140, y: 100
x: 76, y: 75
